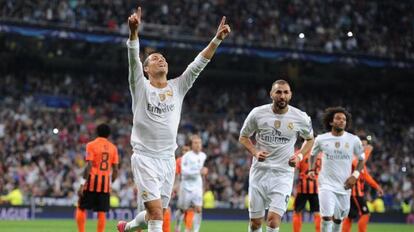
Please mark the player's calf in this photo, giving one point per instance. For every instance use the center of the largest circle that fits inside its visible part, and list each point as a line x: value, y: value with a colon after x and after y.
x: 154, y: 210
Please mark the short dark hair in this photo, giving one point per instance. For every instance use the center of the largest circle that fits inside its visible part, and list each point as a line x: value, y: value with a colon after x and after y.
x: 146, y: 61
x: 330, y: 113
x: 280, y: 82
x: 367, y: 138
x: 103, y: 130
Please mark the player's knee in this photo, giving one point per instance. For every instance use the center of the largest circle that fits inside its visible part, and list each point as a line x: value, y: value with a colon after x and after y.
x: 337, y: 221
x: 327, y: 218
x: 155, y: 214
x: 255, y: 223
x: 273, y: 220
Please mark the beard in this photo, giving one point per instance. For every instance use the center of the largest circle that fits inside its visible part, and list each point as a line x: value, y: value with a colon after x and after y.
x: 338, y: 129
x: 281, y: 104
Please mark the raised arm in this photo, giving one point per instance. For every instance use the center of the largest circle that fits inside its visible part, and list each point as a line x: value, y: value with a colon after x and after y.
x: 194, y: 69
x: 134, y: 21
x: 223, y: 31
x: 136, y: 75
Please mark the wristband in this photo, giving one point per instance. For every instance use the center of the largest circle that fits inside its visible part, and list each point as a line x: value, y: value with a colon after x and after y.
x: 356, y: 174
x: 300, y: 155
x: 216, y: 41
x: 82, y: 181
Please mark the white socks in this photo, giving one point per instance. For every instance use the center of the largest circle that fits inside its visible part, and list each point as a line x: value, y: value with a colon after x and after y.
x: 196, y: 222
x: 337, y: 227
x: 269, y: 229
x: 155, y: 226
x: 179, y: 217
x: 137, y: 223
x: 326, y: 226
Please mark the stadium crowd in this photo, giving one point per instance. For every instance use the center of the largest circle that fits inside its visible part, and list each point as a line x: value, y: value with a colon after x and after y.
x: 379, y: 28
x: 46, y: 121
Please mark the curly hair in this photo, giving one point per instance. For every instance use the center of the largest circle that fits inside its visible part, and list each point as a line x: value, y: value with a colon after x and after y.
x: 330, y: 113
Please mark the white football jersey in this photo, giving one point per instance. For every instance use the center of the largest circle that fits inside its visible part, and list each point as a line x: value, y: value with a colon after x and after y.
x: 191, y: 165
x: 156, y: 112
x: 276, y: 134
x: 338, y: 152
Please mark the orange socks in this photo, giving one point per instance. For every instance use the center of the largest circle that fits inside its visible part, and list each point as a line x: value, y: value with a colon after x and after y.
x: 101, y: 221
x: 347, y: 225
x: 188, y: 219
x: 297, y: 222
x: 80, y: 219
x: 166, y: 225
x: 363, y: 223
x: 81, y: 215
x: 317, y: 221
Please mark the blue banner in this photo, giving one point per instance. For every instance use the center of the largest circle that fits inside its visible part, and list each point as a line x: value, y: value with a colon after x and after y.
x: 68, y: 212
x: 276, y: 54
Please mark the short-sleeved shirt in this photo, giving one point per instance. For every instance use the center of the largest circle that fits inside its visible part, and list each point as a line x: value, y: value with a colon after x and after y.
x: 103, y: 154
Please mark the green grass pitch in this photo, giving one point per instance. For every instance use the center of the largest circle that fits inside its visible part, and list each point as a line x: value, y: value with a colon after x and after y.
x: 207, y: 226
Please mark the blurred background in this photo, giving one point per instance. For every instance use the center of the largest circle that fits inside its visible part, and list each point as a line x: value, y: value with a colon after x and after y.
x: 64, y: 70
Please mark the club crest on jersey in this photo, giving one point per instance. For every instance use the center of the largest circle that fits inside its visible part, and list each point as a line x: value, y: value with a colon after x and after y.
x: 337, y: 144
x: 346, y: 145
x: 162, y: 96
x: 277, y: 124
x: 169, y: 93
x: 144, y: 195
x: 290, y: 126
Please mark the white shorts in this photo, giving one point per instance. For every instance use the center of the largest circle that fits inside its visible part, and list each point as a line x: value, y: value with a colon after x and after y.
x: 153, y: 177
x: 334, y: 204
x: 269, y: 189
x: 188, y: 198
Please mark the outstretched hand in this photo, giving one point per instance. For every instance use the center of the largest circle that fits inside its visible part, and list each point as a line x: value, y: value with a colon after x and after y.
x: 134, y: 21
x: 223, y: 29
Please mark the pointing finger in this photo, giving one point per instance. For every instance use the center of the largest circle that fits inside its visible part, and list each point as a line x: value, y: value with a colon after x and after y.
x: 223, y: 20
x: 138, y: 13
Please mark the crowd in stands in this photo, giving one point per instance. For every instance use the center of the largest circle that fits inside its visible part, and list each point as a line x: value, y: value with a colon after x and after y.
x: 47, y: 119
x: 379, y: 28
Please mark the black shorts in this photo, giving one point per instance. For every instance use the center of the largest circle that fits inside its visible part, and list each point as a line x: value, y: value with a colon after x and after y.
x: 302, y: 198
x: 95, y: 201
x: 358, y: 207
